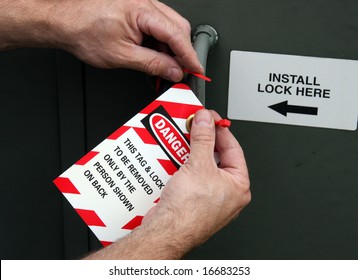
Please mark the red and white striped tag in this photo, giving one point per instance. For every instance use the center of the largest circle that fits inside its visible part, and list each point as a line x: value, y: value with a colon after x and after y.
x: 114, y: 185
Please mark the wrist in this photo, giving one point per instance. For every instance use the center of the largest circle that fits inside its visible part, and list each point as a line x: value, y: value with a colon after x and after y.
x: 155, y: 239
x: 167, y: 237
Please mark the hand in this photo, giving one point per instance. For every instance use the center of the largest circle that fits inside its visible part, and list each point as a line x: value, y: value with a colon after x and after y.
x: 201, y: 198
x: 197, y: 201
x: 103, y: 33
x: 109, y: 34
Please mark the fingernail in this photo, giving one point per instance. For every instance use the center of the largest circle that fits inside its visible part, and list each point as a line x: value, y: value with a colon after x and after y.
x: 202, y: 68
x: 203, y: 118
x: 174, y: 74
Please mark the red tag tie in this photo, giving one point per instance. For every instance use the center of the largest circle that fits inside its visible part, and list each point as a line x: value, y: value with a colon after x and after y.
x: 197, y: 75
x: 223, y: 123
x: 200, y: 76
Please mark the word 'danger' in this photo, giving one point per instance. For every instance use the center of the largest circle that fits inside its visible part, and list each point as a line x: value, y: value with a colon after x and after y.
x: 168, y: 135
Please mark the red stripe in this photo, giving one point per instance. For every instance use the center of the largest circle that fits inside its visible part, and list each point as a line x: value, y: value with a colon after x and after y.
x: 106, y: 243
x: 65, y: 185
x: 87, y: 158
x: 175, y: 110
x: 115, y: 135
x: 135, y: 222
x: 90, y: 217
x: 169, y: 167
x: 181, y: 86
x: 144, y: 134
x: 157, y: 200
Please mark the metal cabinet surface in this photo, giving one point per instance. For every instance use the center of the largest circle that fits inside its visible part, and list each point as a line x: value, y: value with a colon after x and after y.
x: 53, y: 109
x: 304, y: 181
x: 30, y: 210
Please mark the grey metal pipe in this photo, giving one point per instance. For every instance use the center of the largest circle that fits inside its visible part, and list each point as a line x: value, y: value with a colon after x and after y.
x: 204, y: 39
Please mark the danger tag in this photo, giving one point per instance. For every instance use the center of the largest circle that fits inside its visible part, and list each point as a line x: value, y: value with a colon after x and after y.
x: 114, y: 185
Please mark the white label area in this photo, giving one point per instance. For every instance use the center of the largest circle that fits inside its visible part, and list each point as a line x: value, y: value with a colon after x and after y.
x: 295, y: 90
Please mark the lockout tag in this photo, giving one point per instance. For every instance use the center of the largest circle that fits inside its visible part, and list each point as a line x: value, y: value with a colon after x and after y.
x: 114, y: 185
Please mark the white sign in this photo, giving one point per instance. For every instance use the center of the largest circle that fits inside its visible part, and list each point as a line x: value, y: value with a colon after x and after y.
x: 296, y: 90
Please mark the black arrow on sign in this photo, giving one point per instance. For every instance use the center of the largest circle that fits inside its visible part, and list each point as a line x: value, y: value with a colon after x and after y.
x: 283, y: 108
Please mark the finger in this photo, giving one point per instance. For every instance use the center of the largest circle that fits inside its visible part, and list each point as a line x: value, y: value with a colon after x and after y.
x: 171, y: 13
x: 232, y: 157
x: 231, y: 154
x: 174, y: 33
x: 180, y: 21
x: 153, y: 63
x: 215, y: 115
x: 202, y: 139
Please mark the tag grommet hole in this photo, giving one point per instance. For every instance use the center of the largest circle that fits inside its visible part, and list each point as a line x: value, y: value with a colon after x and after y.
x: 189, y: 122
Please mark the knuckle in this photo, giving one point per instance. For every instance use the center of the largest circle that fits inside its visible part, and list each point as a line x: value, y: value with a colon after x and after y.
x: 152, y: 66
x: 246, y: 193
x: 141, y: 2
x: 248, y: 198
x: 175, y: 39
x: 242, y: 192
x: 186, y: 26
x: 203, y: 138
x: 246, y: 185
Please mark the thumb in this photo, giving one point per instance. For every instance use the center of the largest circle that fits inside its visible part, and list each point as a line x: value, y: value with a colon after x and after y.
x: 155, y: 63
x: 202, y: 138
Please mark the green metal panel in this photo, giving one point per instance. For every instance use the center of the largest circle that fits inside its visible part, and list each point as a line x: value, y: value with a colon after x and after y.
x: 304, y: 181
x: 30, y: 207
